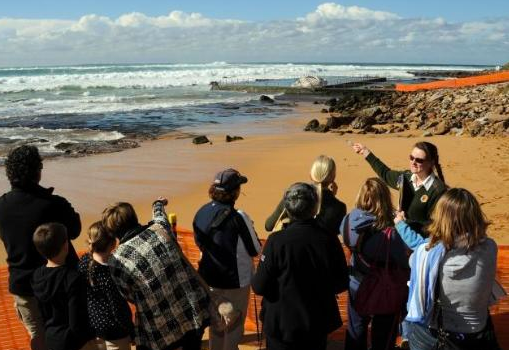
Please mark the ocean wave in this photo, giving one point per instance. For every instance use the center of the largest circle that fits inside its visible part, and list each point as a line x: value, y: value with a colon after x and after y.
x: 82, y: 78
x: 103, y: 104
x: 59, y: 135
x: 47, y: 140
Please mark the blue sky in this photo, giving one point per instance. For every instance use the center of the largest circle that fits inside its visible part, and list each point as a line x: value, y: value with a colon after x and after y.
x: 38, y: 32
x: 260, y: 10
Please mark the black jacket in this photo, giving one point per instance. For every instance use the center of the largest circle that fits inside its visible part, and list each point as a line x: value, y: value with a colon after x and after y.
x: 62, y: 297
x: 21, y: 212
x: 109, y: 314
x: 332, y: 212
x: 301, y: 270
x: 227, y: 246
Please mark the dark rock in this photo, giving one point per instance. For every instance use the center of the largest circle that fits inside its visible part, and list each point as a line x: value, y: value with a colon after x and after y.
x: 233, y: 138
x: 266, y: 99
x: 312, y: 125
x: 258, y: 110
x: 332, y: 109
x: 65, y: 145
x: 316, y: 102
x: 87, y: 148
x: 369, y: 128
x: 198, y: 140
x: 324, y: 110
x: 336, y: 122
x: 331, y: 102
x: 322, y: 128
x: 362, y: 121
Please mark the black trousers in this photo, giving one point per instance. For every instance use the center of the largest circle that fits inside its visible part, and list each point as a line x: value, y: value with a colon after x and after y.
x: 314, y: 343
x: 190, y: 341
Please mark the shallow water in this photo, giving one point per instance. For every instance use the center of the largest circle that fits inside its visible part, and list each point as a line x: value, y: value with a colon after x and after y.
x: 48, y: 106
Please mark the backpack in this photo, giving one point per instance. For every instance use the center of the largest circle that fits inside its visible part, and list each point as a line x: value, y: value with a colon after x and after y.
x: 383, y: 290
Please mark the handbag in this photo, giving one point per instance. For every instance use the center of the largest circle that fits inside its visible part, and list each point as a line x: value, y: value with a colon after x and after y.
x: 446, y: 340
x: 223, y: 315
x: 383, y: 290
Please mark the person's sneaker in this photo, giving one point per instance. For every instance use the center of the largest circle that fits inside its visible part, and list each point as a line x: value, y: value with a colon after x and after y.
x: 404, y: 344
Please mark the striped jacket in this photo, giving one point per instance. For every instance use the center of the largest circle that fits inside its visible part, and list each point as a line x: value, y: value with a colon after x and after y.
x: 150, y: 272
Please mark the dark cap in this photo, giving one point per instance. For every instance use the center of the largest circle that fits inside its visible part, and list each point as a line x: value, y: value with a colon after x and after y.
x: 228, y: 180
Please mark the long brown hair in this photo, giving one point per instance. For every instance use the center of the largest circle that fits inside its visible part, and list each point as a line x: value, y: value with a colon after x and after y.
x: 457, y: 221
x: 375, y: 198
x: 432, y: 155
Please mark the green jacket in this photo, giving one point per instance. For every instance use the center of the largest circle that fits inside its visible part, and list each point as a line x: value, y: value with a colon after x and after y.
x: 417, y: 205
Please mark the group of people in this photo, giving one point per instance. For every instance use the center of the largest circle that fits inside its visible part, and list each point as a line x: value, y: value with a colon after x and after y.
x: 423, y: 269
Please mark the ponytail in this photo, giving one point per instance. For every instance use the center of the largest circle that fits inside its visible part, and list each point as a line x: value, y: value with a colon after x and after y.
x: 323, y: 173
x: 440, y: 174
x: 99, y: 240
x: 319, y: 192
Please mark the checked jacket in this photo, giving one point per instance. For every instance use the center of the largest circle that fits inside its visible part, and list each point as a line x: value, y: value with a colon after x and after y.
x: 151, y: 272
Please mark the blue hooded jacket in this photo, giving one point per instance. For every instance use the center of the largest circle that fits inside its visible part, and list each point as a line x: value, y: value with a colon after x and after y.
x: 369, y: 244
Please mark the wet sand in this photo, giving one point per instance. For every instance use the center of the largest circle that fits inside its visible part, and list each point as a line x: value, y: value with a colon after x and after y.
x: 274, y: 154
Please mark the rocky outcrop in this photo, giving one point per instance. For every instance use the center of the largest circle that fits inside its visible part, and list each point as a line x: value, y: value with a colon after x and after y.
x: 88, y: 148
x: 472, y: 111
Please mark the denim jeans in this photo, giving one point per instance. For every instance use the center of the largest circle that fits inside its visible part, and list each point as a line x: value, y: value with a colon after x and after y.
x: 419, y: 336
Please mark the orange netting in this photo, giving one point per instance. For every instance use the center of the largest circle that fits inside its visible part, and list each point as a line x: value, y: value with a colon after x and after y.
x: 13, y: 335
x: 456, y: 83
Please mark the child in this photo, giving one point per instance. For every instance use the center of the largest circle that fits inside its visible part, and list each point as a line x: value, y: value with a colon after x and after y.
x: 108, y: 312
x: 60, y: 292
x: 367, y: 232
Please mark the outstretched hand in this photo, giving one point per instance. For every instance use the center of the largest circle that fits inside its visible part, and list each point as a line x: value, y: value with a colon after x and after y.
x: 163, y: 200
x: 359, y: 148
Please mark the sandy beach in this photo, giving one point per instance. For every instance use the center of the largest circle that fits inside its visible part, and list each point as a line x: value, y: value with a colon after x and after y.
x: 274, y: 154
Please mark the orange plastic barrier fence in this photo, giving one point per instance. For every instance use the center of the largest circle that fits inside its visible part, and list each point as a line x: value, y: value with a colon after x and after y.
x: 13, y: 335
x: 456, y: 83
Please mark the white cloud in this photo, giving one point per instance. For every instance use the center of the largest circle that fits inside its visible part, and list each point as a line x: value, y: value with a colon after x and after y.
x: 332, y: 11
x: 332, y: 32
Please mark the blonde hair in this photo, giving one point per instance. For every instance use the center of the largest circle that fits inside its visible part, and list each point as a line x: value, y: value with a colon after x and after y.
x: 457, y: 221
x: 323, y: 173
x: 99, y: 241
x: 119, y: 218
x: 375, y: 198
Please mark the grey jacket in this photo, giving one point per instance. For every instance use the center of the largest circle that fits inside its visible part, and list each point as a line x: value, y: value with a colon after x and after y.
x: 466, y: 281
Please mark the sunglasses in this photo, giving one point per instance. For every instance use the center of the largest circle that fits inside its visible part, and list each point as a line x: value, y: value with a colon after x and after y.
x: 417, y: 160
